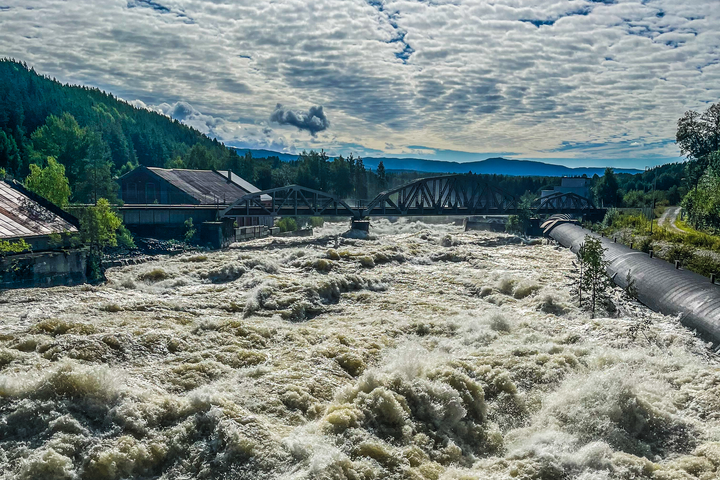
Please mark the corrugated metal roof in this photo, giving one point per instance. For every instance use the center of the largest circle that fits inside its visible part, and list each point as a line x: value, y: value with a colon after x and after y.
x: 21, y: 216
x: 207, y: 186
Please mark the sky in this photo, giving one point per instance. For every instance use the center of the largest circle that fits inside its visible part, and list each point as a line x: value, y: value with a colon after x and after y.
x: 574, y: 82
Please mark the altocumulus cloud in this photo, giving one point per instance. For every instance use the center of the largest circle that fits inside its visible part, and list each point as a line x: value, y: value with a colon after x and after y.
x: 313, y: 121
x: 529, y: 76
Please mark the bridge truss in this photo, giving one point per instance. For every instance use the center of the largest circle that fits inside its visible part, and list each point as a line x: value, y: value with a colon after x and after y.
x: 569, y: 203
x: 466, y: 194
x: 293, y: 200
x: 443, y: 195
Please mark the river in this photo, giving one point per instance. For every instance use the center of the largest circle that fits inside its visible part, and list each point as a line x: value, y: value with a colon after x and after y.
x: 422, y: 352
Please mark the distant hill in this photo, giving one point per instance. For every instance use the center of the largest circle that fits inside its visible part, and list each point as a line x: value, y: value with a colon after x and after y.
x: 498, y: 166
x: 285, y: 157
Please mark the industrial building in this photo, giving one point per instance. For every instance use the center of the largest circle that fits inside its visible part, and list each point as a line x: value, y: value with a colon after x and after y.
x: 578, y: 185
x: 47, y: 229
x: 157, y: 202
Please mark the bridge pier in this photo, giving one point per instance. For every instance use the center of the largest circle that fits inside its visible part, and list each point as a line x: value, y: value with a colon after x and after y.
x: 360, y: 225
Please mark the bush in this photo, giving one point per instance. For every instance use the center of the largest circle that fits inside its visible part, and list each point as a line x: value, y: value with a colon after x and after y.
x: 611, y: 216
x: 125, y: 238
x: 8, y: 248
x: 190, y: 231
x: 683, y: 253
x: 317, y: 222
x: 704, y: 264
x: 513, y: 225
x: 702, y: 204
x: 287, y: 224
x: 645, y: 244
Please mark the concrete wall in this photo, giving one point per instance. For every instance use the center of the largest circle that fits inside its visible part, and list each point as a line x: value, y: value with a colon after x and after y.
x: 46, y: 269
x: 492, y: 223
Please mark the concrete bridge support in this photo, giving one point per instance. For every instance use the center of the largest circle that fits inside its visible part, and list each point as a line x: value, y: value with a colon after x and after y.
x: 361, y: 225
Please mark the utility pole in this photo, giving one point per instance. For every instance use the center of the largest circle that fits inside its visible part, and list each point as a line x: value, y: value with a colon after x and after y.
x: 652, y: 213
x: 648, y: 217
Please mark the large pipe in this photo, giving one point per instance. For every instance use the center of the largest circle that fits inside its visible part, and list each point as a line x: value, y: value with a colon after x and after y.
x: 660, y: 286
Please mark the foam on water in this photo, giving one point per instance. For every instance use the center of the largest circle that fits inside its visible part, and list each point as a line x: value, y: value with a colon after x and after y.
x: 420, y: 352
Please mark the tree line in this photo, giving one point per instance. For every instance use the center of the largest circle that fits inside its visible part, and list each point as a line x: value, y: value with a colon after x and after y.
x: 698, y: 135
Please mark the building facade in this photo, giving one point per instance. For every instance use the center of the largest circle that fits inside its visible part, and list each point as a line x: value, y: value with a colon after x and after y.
x: 577, y: 185
x: 157, y: 201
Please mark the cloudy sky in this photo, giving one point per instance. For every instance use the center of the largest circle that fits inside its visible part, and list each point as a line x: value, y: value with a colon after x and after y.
x: 578, y: 82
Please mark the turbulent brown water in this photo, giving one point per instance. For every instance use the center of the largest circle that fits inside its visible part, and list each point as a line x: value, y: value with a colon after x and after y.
x: 422, y: 353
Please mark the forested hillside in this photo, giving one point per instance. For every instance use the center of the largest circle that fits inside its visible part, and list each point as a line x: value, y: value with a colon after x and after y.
x: 84, y: 128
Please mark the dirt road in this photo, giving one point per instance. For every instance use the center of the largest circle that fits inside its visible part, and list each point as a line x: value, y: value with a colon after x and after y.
x: 668, y: 218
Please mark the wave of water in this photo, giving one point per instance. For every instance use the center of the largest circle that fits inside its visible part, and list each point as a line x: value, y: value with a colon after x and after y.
x: 422, y: 352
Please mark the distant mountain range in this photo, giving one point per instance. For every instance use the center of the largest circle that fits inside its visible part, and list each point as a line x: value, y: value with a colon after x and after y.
x: 500, y: 166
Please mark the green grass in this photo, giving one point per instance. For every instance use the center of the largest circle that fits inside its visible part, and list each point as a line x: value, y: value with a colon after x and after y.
x: 686, y: 247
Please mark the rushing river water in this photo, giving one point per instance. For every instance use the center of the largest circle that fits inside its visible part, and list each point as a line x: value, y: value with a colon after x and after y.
x: 423, y: 352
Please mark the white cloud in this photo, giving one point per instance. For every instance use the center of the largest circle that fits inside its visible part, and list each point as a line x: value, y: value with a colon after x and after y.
x: 469, y: 75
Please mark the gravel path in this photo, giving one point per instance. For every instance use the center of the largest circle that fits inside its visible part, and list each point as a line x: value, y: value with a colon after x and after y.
x: 668, y: 218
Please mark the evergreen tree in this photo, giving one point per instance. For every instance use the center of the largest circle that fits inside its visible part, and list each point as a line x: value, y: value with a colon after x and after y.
x: 342, y: 180
x: 382, y: 180
x: 593, y: 277
x: 10, y: 159
x: 263, y: 176
x: 199, y: 157
x: 94, y: 173
x: 606, y: 189
x: 360, y: 179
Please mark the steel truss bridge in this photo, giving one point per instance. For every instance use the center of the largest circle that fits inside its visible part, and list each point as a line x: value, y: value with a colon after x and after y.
x: 466, y: 194
x: 566, y: 203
